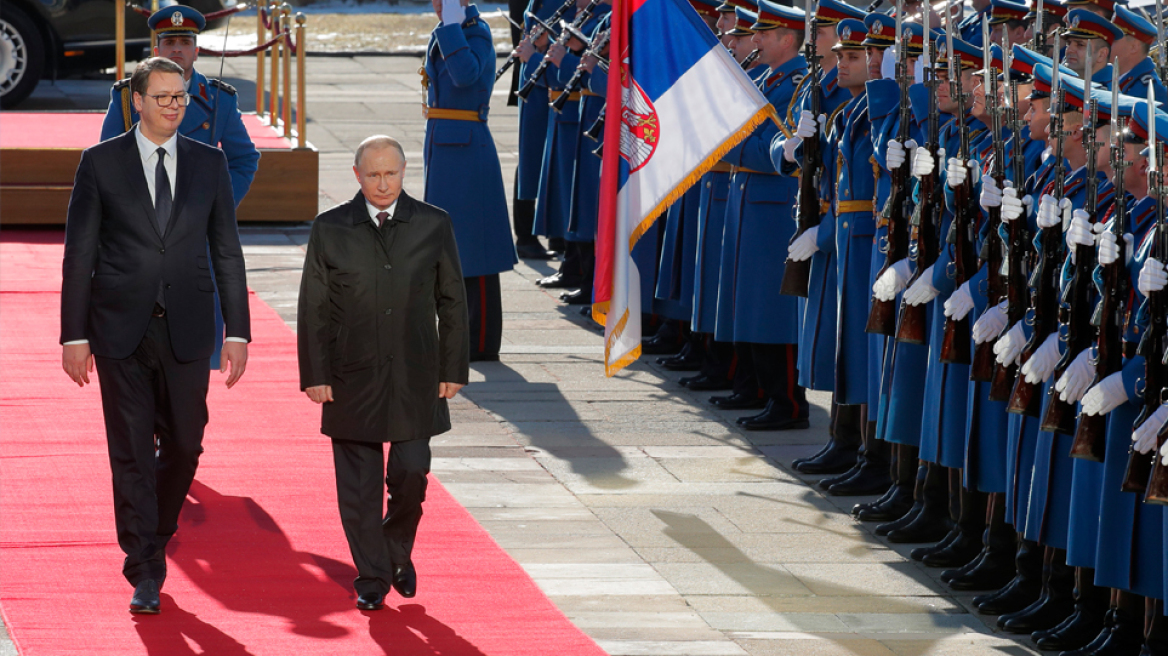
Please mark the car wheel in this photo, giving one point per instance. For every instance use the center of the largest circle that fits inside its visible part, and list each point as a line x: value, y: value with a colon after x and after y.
x: 22, y: 57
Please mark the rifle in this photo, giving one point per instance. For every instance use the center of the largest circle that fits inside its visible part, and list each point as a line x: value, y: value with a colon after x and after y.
x: 1091, y: 434
x: 911, y: 326
x: 993, y: 249
x: 1075, y: 310
x: 796, y: 275
x: 538, y: 30
x: 1044, y: 282
x: 566, y: 30
x: 1017, y: 256
x: 1161, y: 56
x: 1158, y: 485
x: 595, y: 49
x: 1140, y: 466
x: 896, y: 213
x: 749, y: 60
x: 1038, y: 43
x: 963, y: 230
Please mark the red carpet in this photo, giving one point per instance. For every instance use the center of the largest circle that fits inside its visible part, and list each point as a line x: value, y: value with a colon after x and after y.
x: 260, y: 565
x: 82, y: 129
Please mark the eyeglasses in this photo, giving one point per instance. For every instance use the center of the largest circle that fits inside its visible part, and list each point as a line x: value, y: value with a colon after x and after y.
x: 166, y: 100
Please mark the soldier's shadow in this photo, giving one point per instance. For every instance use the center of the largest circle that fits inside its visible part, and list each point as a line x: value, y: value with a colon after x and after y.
x: 408, y: 631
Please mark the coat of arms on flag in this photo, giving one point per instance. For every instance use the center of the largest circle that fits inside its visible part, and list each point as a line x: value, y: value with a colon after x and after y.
x: 683, y: 102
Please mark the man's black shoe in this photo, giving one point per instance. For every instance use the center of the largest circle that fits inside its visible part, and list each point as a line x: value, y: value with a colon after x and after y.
x: 371, y: 601
x: 958, y: 553
x: 771, y: 422
x: 1016, y: 596
x: 834, y: 460
x: 560, y: 281
x: 682, y: 362
x: 738, y: 401
x: 925, y: 527
x: 582, y: 296
x: 822, y: 450
x: 854, y: 470
x: 145, y: 599
x: 532, y: 252
x: 919, y: 553
x: 704, y: 383
x: 405, y: 580
x: 1077, y: 631
x: 868, y: 505
x: 993, y: 571
x: 657, y: 346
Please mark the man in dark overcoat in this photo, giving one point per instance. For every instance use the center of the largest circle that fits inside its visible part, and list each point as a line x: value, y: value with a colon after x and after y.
x: 383, y: 343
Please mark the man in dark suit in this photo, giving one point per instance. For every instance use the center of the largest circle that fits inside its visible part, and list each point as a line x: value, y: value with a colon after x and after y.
x: 383, y: 343
x: 137, y: 298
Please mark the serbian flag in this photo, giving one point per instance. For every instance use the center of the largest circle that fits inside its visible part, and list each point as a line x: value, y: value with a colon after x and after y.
x: 676, y: 103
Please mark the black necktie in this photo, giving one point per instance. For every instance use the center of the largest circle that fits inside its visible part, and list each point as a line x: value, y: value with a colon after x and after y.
x: 382, y: 217
x: 162, y: 198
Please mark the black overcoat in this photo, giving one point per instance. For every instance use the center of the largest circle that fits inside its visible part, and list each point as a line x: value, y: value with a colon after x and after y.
x: 382, y: 318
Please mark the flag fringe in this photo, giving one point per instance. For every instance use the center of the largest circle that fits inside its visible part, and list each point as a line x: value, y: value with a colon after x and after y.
x: 611, y: 368
x: 760, y: 117
x: 600, y: 312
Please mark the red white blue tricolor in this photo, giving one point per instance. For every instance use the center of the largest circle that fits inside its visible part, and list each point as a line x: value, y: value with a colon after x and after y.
x: 676, y: 102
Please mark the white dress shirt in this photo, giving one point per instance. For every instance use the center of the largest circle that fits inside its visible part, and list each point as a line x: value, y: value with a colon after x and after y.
x: 373, y: 211
x: 148, y: 151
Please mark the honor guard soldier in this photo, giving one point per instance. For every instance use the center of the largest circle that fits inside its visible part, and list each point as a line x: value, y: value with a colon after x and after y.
x: 759, y: 227
x: 720, y: 368
x: 1054, y: 14
x: 1084, y: 26
x: 898, y: 387
x: 462, y: 174
x: 212, y: 116
x: 1008, y: 18
x: 969, y: 29
x: 1137, y: 72
x: 533, y: 122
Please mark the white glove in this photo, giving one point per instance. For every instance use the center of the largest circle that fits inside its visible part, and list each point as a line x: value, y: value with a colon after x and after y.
x: 1080, y: 233
x: 790, y: 145
x: 805, y: 246
x: 1109, y: 252
x: 808, y: 126
x: 1040, y: 365
x: 956, y: 170
x: 1145, y: 434
x: 453, y: 12
x: 1012, y: 206
x: 1152, y: 277
x: 959, y: 303
x: 923, y: 162
x: 1108, y: 395
x: 922, y: 291
x: 1009, y: 347
x: 991, y: 324
x: 895, y: 154
x: 991, y: 196
x: 892, y: 282
x: 1076, y: 379
x: 1048, y: 212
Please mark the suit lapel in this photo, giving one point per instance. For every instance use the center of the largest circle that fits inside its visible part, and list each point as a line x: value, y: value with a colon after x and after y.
x: 184, y: 170
x: 137, y: 178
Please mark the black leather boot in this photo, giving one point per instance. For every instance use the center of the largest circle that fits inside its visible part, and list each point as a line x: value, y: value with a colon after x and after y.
x: 892, y: 506
x: 1126, y: 637
x: 971, y: 525
x: 868, y: 505
x: 919, y: 553
x: 691, y: 356
x: 1054, y: 605
x: 668, y: 340
x: 933, y: 522
x: 874, y: 476
x: 994, y: 566
x: 1099, y: 639
x: 839, y: 455
x: 1155, y: 629
x: 1022, y: 590
x: 839, y: 478
x: 1091, y: 602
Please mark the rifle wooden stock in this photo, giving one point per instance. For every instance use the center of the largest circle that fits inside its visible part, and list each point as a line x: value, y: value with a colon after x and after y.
x: 1002, y: 386
x: 1090, y: 438
x: 911, y: 328
x: 955, y: 342
x: 796, y: 277
x: 1059, y: 416
x: 1026, y: 399
x: 1157, y: 492
x: 882, y: 318
x: 984, y: 365
x: 1138, y: 472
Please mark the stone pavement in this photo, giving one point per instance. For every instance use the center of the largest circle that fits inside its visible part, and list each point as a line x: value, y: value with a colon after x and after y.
x: 656, y: 524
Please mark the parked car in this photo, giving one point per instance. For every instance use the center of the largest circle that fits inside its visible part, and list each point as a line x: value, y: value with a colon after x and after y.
x: 55, y: 38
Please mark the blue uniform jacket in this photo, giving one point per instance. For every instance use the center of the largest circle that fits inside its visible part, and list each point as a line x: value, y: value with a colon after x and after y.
x: 759, y: 226
x: 462, y: 174
x: 229, y: 132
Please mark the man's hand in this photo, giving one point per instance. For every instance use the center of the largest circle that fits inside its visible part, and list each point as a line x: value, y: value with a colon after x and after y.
x: 447, y: 390
x: 77, y: 361
x: 556, y: 53
x: 320, y: 393
x: 524, y: 50
x: 235, y: 354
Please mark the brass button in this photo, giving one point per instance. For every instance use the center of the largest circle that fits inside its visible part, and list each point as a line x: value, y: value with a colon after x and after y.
x: 207, y: 125
x: 742, y: 187
x: 845, y: 225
